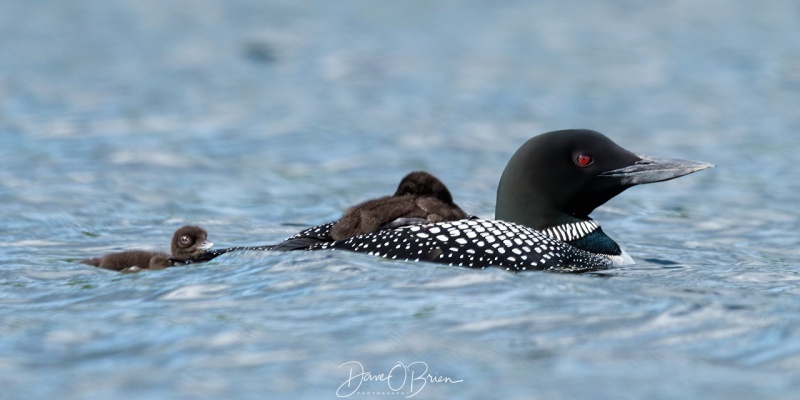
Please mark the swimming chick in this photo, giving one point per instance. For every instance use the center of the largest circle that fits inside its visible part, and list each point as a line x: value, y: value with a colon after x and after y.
x: 188, y: 243
x: 420, y: 198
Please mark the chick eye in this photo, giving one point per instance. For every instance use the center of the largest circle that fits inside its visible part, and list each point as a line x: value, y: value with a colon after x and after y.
x: 185, y: 239
x: 583, y: 160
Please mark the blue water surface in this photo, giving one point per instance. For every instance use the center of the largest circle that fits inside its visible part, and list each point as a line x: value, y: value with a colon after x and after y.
x: 121, y: 121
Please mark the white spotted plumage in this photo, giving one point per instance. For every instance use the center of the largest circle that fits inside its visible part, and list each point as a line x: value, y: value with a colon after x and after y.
x: 478, y: 243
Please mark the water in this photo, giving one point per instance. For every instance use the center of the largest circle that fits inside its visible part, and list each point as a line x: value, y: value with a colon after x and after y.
x: 121, y: 121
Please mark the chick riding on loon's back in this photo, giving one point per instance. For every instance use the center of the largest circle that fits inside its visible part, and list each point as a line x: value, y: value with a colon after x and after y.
x: 546, y: 193
x: 420, y: 198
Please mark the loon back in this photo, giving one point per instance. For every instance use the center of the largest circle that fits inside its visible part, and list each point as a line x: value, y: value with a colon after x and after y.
x: 477, y: 243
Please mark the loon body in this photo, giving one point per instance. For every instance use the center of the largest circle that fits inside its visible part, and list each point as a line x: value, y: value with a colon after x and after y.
x: 188, y: 243
x: 473, y: 242
x: 546, y: 193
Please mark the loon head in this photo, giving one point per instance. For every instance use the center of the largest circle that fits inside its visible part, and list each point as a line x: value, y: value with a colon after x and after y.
x: 560, y: 177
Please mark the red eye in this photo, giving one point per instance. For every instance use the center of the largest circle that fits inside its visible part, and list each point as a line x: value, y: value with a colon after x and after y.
x: 583, y: 160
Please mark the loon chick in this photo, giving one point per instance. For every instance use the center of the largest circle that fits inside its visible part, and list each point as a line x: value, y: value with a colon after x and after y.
x: 189, y: 243
x: 546, y: 193
x: 420, y: 198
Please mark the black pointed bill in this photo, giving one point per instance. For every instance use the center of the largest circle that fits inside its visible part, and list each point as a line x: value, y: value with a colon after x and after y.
x: 649, y: 170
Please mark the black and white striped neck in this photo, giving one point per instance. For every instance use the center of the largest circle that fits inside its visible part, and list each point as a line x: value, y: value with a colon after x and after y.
x: 587, y: 235
x: 571, y: 231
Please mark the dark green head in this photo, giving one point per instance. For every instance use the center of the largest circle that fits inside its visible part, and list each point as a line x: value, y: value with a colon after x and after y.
x: 562, y: 176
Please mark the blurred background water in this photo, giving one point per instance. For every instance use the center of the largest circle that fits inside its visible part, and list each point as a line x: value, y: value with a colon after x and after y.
x: 121, y: 121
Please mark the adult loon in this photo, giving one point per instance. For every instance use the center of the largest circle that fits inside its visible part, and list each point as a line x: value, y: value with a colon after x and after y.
x: 546, y: 193
x: 189, y: 243
x: 420, y: 198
